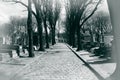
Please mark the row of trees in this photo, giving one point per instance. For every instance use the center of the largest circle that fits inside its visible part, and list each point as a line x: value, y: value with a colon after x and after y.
x: 46, y: 11
x: 99, y: 25
x: 16, y: 29
x: 46, y: 15
x: 78, y: 13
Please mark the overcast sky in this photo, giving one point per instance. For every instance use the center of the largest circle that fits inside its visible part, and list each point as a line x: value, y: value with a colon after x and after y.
x: 10, y: 9
x: 104, y: 6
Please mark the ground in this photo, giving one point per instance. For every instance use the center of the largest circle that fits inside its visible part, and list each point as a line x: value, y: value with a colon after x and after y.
x: 56, y: 63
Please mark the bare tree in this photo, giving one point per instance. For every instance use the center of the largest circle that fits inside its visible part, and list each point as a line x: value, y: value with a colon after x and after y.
x: 82, y: 10
x: 53, y: 15
x: 45, y: 5
x: 100, y: 24
x: 19, y: 27
x: 78, y: 8
x: 30, y: 30
x: 71, y: 22
x: 44, y: 11
x: 55, y: 18
x: 38, y: 16
x: 39, y: 22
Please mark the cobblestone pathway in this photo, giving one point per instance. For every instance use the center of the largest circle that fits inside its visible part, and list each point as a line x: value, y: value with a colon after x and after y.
x: 58, y: 63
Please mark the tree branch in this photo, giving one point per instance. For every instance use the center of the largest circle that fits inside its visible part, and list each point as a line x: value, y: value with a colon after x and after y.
x: 25, y: 6
x: 91, y: 13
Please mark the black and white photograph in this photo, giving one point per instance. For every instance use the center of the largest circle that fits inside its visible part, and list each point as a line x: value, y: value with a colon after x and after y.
x: 59, y: 40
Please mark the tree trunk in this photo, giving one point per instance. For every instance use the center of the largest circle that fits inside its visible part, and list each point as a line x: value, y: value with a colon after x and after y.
x: 115, y: 18
x: 46, y: 34
x: 98, y: 37
x: 13, y: 39
x: 53, y: 35
x: 40, y: 32
x: 69, y: 40
x: 30, y: 32
x: 102, y: 35
x: 73, y: 40
x: 39, y: 23
x: 91, y: 35
x: 72, y: 36
x: 79, y: 42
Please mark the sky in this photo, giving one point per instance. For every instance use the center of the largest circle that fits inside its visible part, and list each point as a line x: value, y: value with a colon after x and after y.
x: 11, y: 9
x: 8, y: 9
x: 104, y: 6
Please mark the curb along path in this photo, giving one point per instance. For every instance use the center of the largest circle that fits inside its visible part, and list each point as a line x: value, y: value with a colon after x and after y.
x: 99, y: 66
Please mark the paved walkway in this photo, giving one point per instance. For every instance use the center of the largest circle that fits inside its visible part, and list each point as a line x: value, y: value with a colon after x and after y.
x: 59, y: 63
